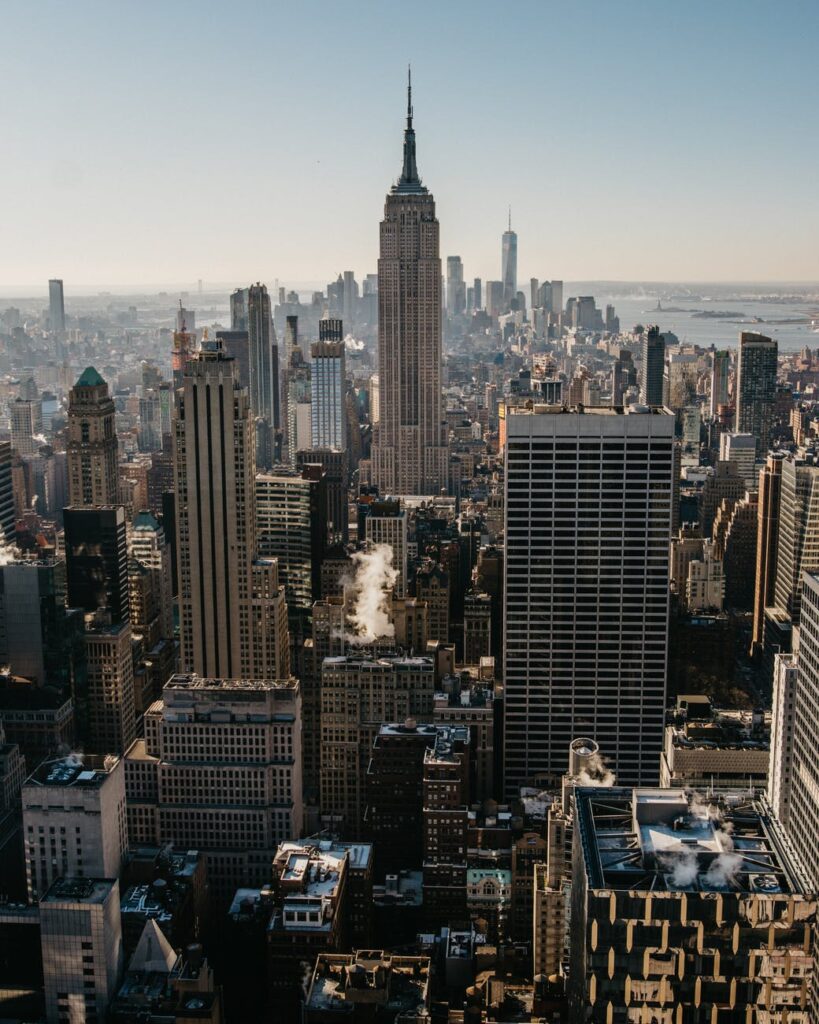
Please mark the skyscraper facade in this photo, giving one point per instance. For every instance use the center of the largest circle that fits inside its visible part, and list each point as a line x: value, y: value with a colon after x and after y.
x: 756, y: 388
x: 588, y: 515
x: 93, y: 451
x: 96, y: 558
x: 455, y: 291
x: 720, y: 367
x: 509, y: 263
x: 231, y: 605
x: 56, y: 306
x: 328, y: 387
x: 409, y: 444
x: 264, y: 357
x: 651, y: 375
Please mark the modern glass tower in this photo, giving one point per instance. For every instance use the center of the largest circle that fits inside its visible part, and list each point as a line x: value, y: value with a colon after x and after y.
x: 409, y: 445
x: 328, y: 388
x: 509, y: 263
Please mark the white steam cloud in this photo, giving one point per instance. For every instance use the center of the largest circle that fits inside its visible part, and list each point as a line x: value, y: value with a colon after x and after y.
x: 683, y: 868
x: 352, y: 344
x: 595, y: 773
x: 8, y: 553
x: 371, y: 588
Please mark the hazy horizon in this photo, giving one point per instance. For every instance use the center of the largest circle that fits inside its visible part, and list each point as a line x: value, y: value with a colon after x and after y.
x: 635, y: 142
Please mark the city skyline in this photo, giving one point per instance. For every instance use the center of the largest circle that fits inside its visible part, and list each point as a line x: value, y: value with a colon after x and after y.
x: 610, y: 163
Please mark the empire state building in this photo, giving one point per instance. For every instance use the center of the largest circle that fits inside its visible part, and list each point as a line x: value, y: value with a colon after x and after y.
x: 409, y: 454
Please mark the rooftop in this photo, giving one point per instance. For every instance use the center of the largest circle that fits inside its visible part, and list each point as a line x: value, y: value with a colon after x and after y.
x: 675, y: 841
x: 397, y: 984
x: 79, y: 890
x: 89, y: 378
x: 81, y: 771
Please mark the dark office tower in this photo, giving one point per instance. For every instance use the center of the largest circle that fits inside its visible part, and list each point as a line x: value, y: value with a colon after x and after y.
x: 236, y: 344
x: 264, y: 358
x: 651, y: 374
x: 455, y: 293
x: 756, y: 388
x: 509, y: 263
x: 56, y: 306
x: 291, y: 335
x: 409, y: 452
x: 476, y: 291
x: 93, y: 452
x: 336, y: 468
x: 233, y: 617
x: 7, y: 520
x: 238, y: 310
x: 96, y: 558
x: 588, y: 516
x: 720, y: 365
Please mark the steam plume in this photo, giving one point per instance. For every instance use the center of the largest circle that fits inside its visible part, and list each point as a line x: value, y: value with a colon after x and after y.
x: 595, y: 773
x: 372, y: 586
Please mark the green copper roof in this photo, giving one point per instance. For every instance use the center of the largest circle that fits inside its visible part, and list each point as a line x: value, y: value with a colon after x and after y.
x: 89, y: 378
x: 145, y: 521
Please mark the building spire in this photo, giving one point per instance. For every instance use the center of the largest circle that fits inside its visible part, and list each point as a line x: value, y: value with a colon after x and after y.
x: 510, y: 217
x: 409, y: 182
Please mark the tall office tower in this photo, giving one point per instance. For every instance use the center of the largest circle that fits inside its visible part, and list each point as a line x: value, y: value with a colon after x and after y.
x: 7, y: 518
x: 148, y: 547
x: 653, y: 369
x: 509, y: 263
x: 40, y: 639
x: 477, y: 628
x: 291, y: 525
x: 81, y: 934
x: 349, y: 301
x: 534, y: 292
x: 756, y: 388
x: 297, y: 394
x: 720, y: 368
x: 741, y: 450
x: 96, y: 558
x: 494, y: 298
x: 358, y: 694
x: 56, y: 306
x: 238, y: 309
x: 798, y: 533
x: 335, y: 466
x: 236, y: 344
x: 409, y: 452
x: 432, y: 586
x: 264, y: 359
x: 26, y: 415
x: 93, y: 451
x: 557, y: 297
x: 780, y: 766
x: 588, y: 518
x: 686, y: 857
x: 477, y: 293
x: 455, y: 293
x: 386, y: 523
x: 231, y: 608
x: 219, y: 770
x: 767, y: 543
x: 185, y: 319
x: 107, y: 722
x: 328, y: 386
x: 74, y: 820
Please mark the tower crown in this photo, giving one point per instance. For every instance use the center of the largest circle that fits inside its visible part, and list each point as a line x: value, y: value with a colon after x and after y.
x: 409, y: 183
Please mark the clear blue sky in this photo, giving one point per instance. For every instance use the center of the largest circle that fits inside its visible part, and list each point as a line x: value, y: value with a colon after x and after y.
x: 153, y: 142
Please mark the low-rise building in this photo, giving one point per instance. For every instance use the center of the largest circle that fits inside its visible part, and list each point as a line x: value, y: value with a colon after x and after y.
x: 369, y: 985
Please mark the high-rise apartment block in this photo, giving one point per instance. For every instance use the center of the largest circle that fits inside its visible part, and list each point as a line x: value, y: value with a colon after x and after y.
x: 81, y: 932
x: 328, y: 385
x: 219, y: 770
x: 409, y: 453
x: 74, y: 820
x: 741, y: 450
x: 653, y: 369
x: 93, y: 451
x: 588, y: 518
x: 232, y: 610
x: 756, y: 388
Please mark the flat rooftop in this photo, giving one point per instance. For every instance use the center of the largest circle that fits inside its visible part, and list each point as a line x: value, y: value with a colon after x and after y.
x: 82, y: 772
x: 675, y: 841
x: 79, y: 890
x: 395, y: 984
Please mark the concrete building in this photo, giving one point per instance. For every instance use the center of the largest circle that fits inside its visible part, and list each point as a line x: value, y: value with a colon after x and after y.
x: 797, y: 548
x: 741, y: 450
x: 720, y: 371
x: 653, y: 368
x: 709, y: 748
x: 780, y: 769
x: 352, y: 987
x: 232, y: 611
x: 770, y: 490
x: 56, y: 306
x: 386, y: 523
x: 26, y: 420
x: 756, y: 388
x: 74, y: 820
x: 93, y: 450
x: 588, y: 520
x: 358, y: 694
x: 219, y: 770
x: 264, y: 367
x: 470, y: 702
x: 705, y: 585
x: 688, y: 890
x: 409, y: 451
x: 107, y: 715
x: 81, y: 947
x: 432, y: 586
x: 8, y: 522
x: 148, y: 547
x: 455, y: 288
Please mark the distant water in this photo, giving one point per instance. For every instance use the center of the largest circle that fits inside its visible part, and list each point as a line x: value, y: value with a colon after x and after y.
x: 722, y: 333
